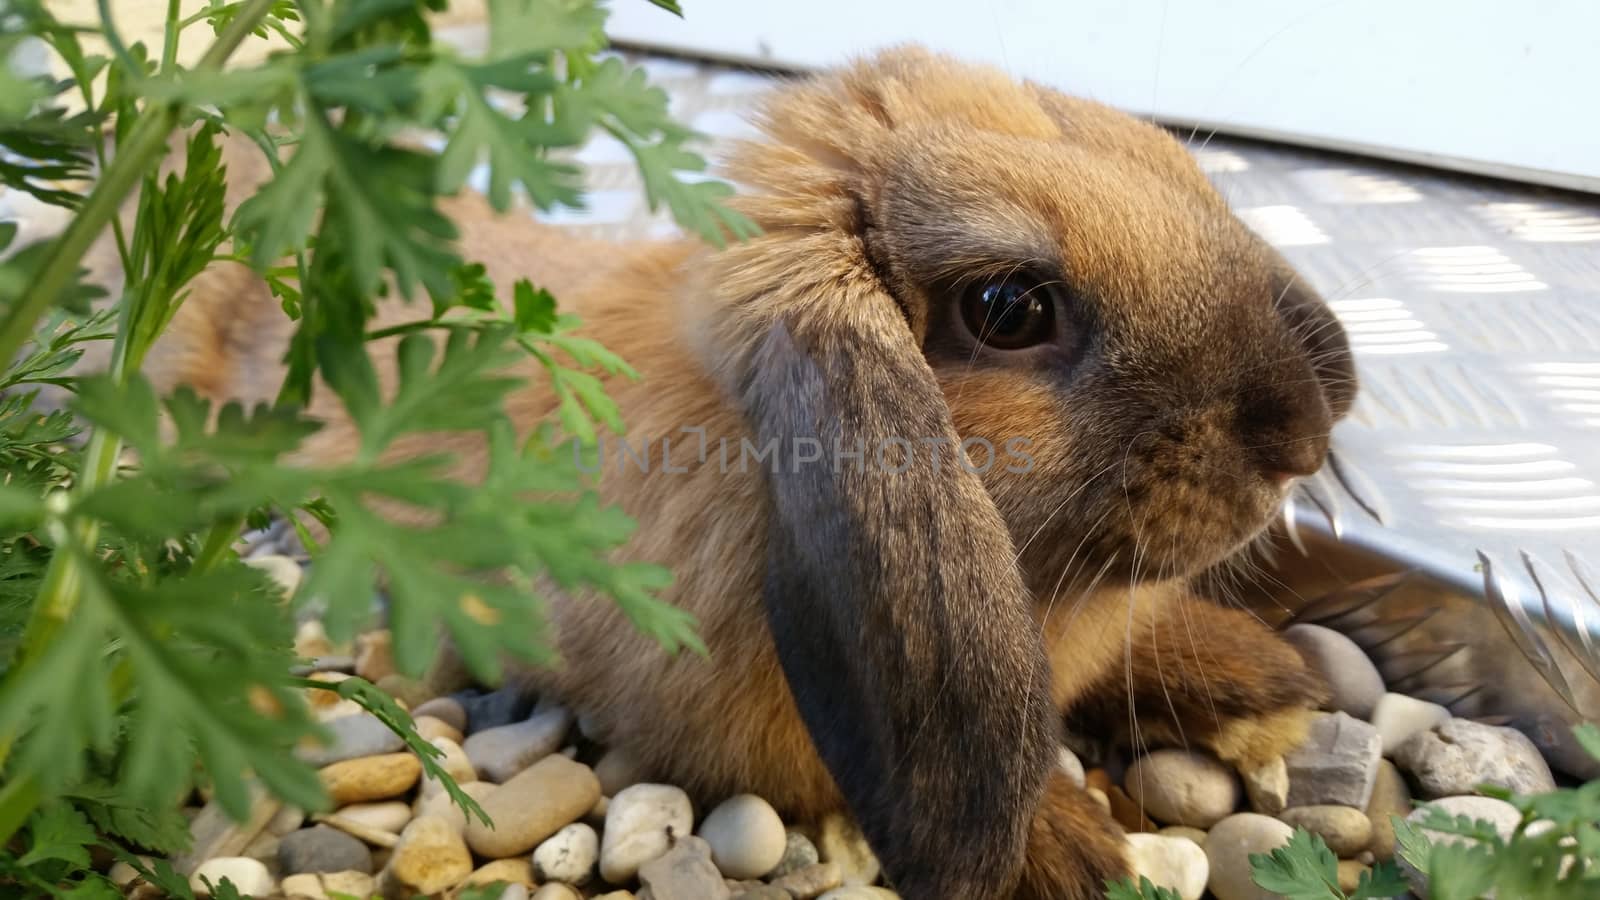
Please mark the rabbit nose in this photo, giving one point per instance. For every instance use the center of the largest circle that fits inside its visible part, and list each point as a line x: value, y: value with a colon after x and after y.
x: 1294, y: 458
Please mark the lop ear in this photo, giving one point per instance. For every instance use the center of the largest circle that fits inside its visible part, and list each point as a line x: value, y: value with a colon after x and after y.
x: 1324, y: 339
x: 901, y: 621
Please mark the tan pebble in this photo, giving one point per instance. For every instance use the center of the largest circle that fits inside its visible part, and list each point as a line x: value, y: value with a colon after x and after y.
x: 1267, y: 786
x: 285, y: 820
x: 429, y: 728
x: 1345, y: 830
x: 375, y: 655
x: 1350, y: 873
x: 596, y: 815
x: 614, y: 895
x: 1197, y: 835
x: 322, y: 699
x: 455, y: 764
x: 811, y: 881
x: 377, y: 837
x: 389, y: 815
x: 371, y: 777
x: 430, y: 857
x: 1390, y: 797
x: 264, y: 847
x: 122, y: 875
x: 311, y: 640
x: 353, y: 883
x: 1177, y: 787
x: 444, y: 807
x: 512, y: 871
x: 555, y: 890
x: 307, y: 886
x: 536, y: 803
x: 1099, y: 797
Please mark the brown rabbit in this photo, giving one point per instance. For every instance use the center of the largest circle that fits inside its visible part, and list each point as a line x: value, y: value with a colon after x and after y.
x: 948, y: 255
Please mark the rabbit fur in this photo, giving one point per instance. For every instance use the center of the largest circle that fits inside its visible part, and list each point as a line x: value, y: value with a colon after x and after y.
x: 905, y: 646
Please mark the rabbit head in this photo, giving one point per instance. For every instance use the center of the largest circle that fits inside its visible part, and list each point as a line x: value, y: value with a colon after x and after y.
x: 953, y: 258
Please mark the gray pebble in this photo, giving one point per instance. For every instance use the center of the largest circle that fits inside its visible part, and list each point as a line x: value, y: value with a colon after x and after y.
x: 446, y: 709
x: 501, y: 752
x: 496, y: 708
x: 322, y: 849
x: 798, y: 852
x: 1350, y: 673
x: 354, y: 736
x: 1458, y: 756
x: 684, y: 873
x: 1337, y: 763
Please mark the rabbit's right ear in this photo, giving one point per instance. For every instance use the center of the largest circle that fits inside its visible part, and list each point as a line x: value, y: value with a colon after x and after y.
x: 901, y: 620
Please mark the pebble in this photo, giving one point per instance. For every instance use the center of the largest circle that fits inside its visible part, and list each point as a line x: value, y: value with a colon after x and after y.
x: 1390, y: 797
x: 810, y: 881
x: 1068, y: 762
x: 353, y: 737
x: 746, y: 836
x: 860, y: 892
x: 1171, y: 862
x: 429, y: 728
x: 391, y: 815
x: 641, y: 823
x: 502, y: 751
x: 798, y: 852
x: 1399, y: 717
x: 1198, y: 835
x: 284, y: 572
x: 371, y: 777
x: 1345, y: 830
x: 1458, y: 756
x: 495, y: 708
x: 1129, y: 814
x: 555, y: 890
x: 303, y: 887
x: 568, y: 856
x: 616, y: 770
x: 763, y: 892
x: 285, y: 820
x: 1350, y: 872
x: 444, y: 807
x: 374, y: 657
x: 446, y: 709
x: 510, y: 871
x: 1267, y: 786
x: 1336, y: 764
x: 355, y: 884
x: 122, y: 874
x: 249, y: 876
x: 1180, y: 788
x: 1099, y: 796
x: 1502, y: 815
x: 1228, y: 847
x: 1353, y: 679
x: 430, y: 857
x: 377, y: 837
x: 455, y: 764
x: 538, y: 802
x: 322, y: 849
x: 840, y: 841
x: 684, y: 872
x: 311, y: 640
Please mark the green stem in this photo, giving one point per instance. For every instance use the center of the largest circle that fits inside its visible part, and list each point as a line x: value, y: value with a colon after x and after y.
x: 18, y: 799
x: 169, y: 48
x: 219, y: 540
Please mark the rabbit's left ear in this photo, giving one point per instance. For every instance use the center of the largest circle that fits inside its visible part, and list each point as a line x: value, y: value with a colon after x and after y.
x: 902, y: 623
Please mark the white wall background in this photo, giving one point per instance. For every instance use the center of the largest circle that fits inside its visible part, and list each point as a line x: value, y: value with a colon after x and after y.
x: 1493, y: 86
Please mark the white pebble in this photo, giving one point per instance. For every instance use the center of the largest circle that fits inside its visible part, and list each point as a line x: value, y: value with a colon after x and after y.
x: 1171, y: 862
x: 1228, y: 847
x: 1175, y: 787
x: 746, y: 836
x: 640, y: 824
x: 249, y: 876
x: 1398, y: 717
x: 568, y: 856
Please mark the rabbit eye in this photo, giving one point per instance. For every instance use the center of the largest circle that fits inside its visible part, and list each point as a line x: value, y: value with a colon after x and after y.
x: 1009, y: 313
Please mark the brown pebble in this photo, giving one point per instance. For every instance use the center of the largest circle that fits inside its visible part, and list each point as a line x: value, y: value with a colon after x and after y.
x: 375, y: 655
x: 1390, y: 797
x: 371, y: 777
x: 536, y: 803
x: 1127, y: 813
x: 1350, y: 873
x: 512, y: 871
